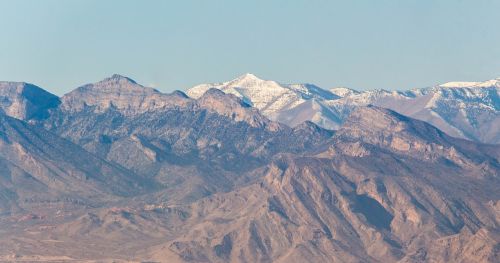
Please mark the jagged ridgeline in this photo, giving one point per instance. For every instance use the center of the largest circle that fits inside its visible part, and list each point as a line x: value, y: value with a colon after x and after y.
x: 469, y: 110
x: 249, y: 171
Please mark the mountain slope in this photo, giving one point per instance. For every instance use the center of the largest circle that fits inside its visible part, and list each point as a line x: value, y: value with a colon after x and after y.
x: 470, y: 112
x: 25, y: 101
x: 39, y: 167
x: 355, y: 201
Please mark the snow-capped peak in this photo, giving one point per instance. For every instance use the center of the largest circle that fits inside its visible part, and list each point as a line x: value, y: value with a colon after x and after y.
x: 248, y: 77
x: 459, y: 84
x: 468, y: 84
x: 343, y: 91
x: 249, y: 80
x: 268, y: 96
x: 292, y: 104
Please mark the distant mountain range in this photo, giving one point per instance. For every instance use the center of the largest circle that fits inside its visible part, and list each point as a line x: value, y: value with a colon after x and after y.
x: 469, y: 110
x: 249, y: 171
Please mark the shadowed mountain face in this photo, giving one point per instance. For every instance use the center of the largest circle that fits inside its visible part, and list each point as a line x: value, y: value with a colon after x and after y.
x: 40, y: 167
x: 26, y: 101
x: 119, y: 171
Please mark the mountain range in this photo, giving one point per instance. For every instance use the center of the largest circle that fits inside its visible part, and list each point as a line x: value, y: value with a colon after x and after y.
x: 249, y: 171
x: 469, y: 110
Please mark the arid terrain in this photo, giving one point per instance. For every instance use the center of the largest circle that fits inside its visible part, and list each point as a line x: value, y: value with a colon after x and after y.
x: 249, y: 171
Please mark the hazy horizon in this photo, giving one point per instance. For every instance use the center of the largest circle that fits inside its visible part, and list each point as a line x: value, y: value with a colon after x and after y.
x: 176, y: 45
x: 216, y: 82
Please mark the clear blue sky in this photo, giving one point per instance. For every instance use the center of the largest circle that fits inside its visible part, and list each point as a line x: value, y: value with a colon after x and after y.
x: 396, y: 44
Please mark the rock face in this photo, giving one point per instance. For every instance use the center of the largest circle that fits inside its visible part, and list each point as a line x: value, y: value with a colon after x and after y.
x: 25, y: 101
x: 145, y: 176
x: 468, y: 110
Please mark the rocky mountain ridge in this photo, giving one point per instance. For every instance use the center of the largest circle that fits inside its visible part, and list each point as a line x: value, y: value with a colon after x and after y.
x: 121, y: 172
